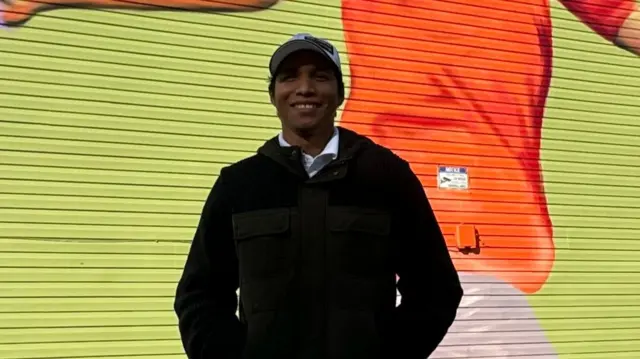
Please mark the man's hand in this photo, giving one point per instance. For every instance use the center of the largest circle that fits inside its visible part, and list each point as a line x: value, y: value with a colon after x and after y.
x: 629, y: 34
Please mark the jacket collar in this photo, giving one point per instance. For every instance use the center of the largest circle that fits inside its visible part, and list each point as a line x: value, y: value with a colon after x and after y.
x: 349, y: 144
x: 331, y: 149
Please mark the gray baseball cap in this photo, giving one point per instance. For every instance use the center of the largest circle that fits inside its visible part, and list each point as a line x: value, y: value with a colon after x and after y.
x: 304, y: 41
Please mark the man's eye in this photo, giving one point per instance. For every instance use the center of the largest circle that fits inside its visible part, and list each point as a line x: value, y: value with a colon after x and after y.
x: 286, y: 77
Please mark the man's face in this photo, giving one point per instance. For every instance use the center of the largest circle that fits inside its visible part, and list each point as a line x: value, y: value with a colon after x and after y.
x: 306, y: 92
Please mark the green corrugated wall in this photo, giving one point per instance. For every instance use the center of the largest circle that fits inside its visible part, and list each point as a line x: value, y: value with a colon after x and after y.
x: 590, y: 308
x: 112, y: 131
x: 114, y: 124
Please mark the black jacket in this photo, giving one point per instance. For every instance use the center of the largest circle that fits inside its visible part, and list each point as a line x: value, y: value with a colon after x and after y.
x: 316, y: 261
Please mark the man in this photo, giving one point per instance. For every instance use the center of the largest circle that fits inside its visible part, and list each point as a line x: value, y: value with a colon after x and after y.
x: 313, y: 230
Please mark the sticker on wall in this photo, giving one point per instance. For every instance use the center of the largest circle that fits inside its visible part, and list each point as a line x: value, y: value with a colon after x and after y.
x: 453, y: 177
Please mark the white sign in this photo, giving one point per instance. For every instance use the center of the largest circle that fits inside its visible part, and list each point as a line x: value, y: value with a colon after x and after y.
x: 453, y: 177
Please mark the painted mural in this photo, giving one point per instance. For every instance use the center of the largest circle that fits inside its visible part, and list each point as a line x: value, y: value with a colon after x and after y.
x: 464, y: 90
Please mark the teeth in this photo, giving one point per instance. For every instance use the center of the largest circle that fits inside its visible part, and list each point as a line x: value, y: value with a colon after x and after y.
x: 306, y: 106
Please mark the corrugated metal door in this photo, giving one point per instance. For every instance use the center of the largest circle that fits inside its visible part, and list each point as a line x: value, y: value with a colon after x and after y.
x: 114, y: 125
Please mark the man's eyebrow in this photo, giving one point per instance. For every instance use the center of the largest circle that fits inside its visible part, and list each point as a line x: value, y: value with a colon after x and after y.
x: 323, y: 69
x: 327, y: 70
x: 294, y: 70
x: 287, y: 71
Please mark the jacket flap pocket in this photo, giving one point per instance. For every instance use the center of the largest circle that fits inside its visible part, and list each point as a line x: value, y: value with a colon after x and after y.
x: 260, y: 223
x: 367, y: 220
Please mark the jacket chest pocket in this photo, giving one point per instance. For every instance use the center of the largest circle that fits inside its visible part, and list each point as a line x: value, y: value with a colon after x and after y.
x: 360, y: 240
x: 263, y: 242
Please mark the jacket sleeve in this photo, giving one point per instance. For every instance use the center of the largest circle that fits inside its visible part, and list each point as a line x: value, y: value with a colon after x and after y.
x: 427, y: 279
x: 206, y: 298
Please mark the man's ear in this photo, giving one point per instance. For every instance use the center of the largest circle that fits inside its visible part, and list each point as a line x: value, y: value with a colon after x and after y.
x: 273, y: 100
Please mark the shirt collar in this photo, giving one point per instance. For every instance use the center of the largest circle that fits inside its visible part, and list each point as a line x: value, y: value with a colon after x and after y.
x: 330, y: 149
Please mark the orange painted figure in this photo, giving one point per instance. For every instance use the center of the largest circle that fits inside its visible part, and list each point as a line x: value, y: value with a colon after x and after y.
x: 453, y: 83
x: 464, y: 83
x: 17, y: 12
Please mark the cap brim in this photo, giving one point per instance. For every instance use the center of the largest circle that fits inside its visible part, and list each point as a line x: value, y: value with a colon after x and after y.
x: 289, y: 48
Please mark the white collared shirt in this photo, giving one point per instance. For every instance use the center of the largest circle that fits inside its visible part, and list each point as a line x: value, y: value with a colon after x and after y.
x: 314, y: 164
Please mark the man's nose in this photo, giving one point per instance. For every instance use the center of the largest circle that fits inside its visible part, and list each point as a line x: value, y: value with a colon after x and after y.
x: 306, y: 87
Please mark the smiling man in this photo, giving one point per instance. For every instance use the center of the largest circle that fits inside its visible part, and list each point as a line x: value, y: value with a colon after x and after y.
x: 313, y: 230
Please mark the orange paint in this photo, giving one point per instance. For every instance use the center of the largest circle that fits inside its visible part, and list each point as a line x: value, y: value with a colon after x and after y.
x: 464, y: 83
x: 17, y: 12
